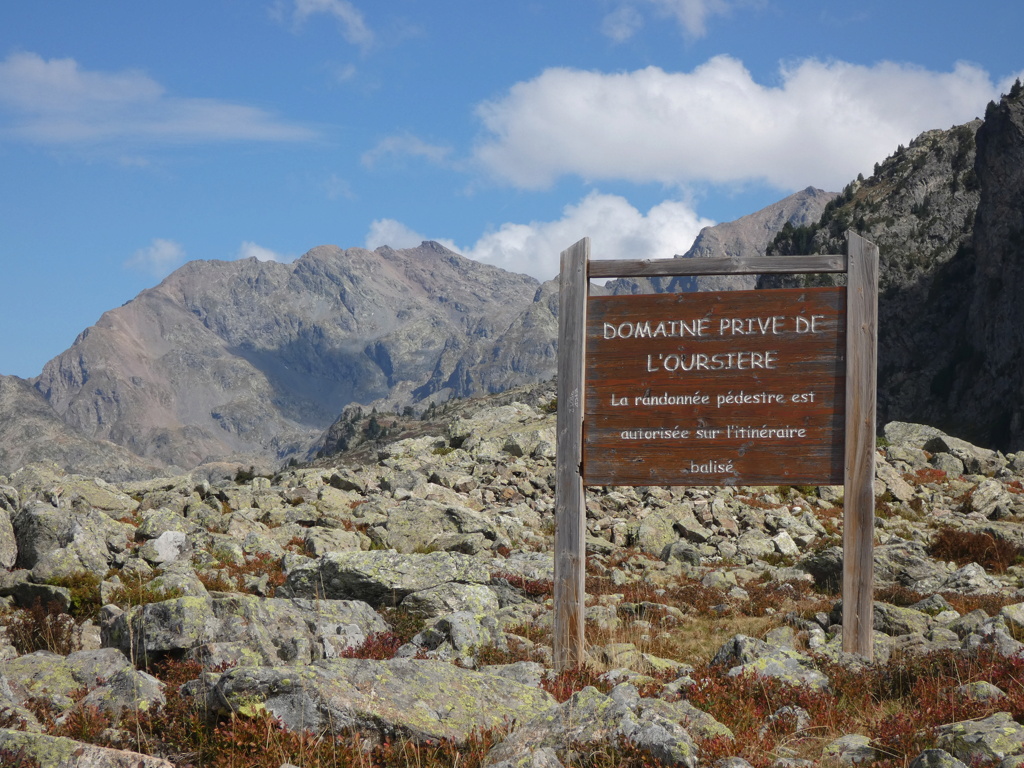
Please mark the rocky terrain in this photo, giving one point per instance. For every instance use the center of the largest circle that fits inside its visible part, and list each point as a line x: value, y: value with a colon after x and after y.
x: 396, y: 610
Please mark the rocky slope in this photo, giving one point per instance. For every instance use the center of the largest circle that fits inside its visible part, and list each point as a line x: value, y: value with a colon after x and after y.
x: 946, y: 214
x: 253, y: 360
x: 919, y: 208
x: 746, y: 237
x: 31, y: 431
x: 286, y: 596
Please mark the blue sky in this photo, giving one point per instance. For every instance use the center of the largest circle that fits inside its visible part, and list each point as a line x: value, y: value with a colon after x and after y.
x: 137, y: 136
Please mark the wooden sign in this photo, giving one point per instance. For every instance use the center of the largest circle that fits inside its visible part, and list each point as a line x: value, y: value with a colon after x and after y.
x: 733, y: 387
x: 762, y: 387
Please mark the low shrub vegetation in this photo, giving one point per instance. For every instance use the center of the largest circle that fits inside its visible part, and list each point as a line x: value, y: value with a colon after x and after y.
x: 963, y: 547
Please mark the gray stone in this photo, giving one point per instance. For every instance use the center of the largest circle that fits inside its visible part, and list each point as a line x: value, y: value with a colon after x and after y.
x: 897, y: 620
x: 59, y: 542
x: 165, y: 548
x: 8, y: 541
x: 898, y: 488
x: 26, y: 594
x: 451, y: 597
x: 747, y: 655
x: 980, y: 690
x: 951, y: 465
x: 681, y: 551
x: 244, y: 629
x: 976, y: 461
x: 850, y: 750
x: 755, y: 545
x: 380, y: 577
x: 907, y: 564
x: 971, y: 579
x: 936, y: 758
x: 992, y: 738
x: 590, y: 718
x: 60, y: 752
x: 112, y: 683
x: 785, y: 545
x: 417, y: 699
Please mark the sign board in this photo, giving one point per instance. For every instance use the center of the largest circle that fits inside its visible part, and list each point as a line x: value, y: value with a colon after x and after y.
x: 752, y: 387
x: 733, y: 387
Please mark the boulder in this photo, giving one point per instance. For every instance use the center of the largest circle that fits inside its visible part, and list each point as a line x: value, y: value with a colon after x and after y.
x: 748, y: 655
x: 591, y: 719
x: 244, y: 629
x: 383, y: 699
x: 112, y: 683
x: 60, y: 752
x: 987, y: 740
x: 381, y: 577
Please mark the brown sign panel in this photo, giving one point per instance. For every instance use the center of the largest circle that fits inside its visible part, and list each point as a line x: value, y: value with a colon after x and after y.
x: 724, y: 388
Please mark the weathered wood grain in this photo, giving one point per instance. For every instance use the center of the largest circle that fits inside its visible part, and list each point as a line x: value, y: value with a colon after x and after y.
x: 708, y: 426
x: 570, y: 514
x: 859, y: 504
x: 760, y: 265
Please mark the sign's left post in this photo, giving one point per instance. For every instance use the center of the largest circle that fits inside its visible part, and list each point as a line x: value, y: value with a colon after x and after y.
x: 570, y: 504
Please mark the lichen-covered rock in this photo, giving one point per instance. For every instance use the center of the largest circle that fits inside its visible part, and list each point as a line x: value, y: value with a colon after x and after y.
x: 112, y: 683
x: 898, y: 488
x: 907, y: 564
x: 148, y: 632
x: 8, y: 541
x: 451, y: 597
x: 849, y: 750
x: 589, y: 718
x: 244, y: 629
x: 417, y: 525
x: 458, y: 636
x: 397, y: 698
x: 976, y: 741
x: 748, y: 655
x: 897, y: 620
x: 381, y: 577
x: 60, y: 752
x: 62, y: 542
x: 936, y: 758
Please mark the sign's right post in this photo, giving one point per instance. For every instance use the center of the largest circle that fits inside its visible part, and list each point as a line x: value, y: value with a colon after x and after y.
x: 859, y: 471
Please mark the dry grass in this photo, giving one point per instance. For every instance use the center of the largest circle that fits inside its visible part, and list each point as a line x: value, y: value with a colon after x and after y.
x: 963, y: 547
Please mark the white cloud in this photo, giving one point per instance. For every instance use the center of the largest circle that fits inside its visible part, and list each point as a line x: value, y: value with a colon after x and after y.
x: 405, y: 144
x: 159, y: 258
x: 249, y: 250
x: 55, y: 101
x: 617, y: 231
x: 350, y: 19
x: 622, y: 23
x: 691, y: 15
x: 824, y: 122
x: 397, y: 235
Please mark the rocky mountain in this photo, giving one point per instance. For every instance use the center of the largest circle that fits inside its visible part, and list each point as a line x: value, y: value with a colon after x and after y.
x: 747, y: 236
x: 253, y: 360
x: 31, y: 431
x: 946, y: 214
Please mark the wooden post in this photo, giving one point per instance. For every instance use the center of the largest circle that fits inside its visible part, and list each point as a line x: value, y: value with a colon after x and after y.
x: 570, y: 504
x: 859, y: 475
